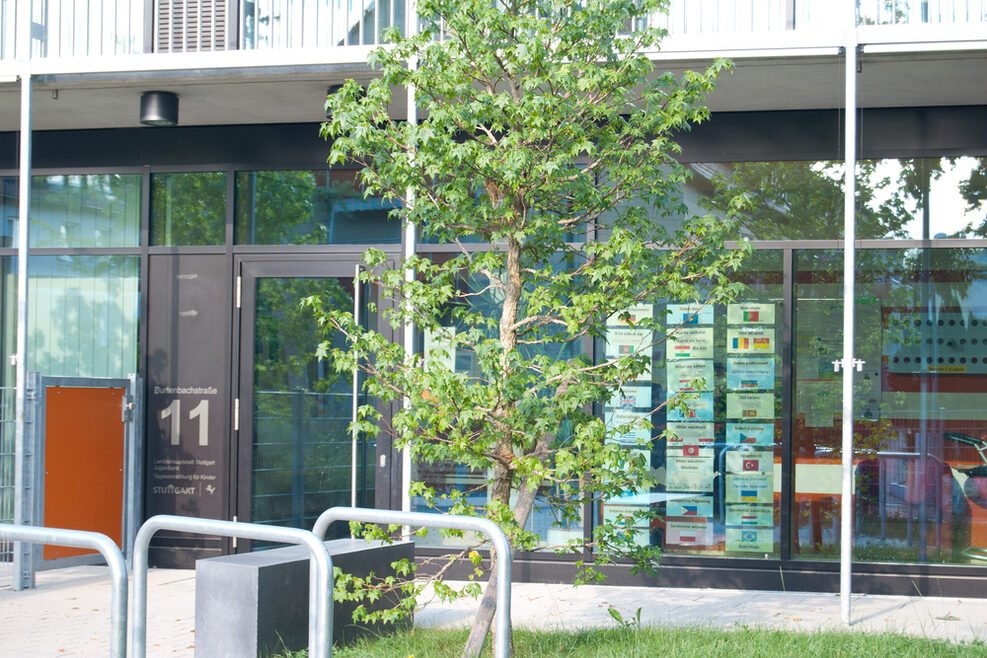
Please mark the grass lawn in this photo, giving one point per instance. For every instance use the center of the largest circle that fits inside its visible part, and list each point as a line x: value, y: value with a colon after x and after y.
x: 648, y: 642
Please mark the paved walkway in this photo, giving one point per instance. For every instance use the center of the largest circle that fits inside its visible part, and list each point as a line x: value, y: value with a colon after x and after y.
x: 68, y: 613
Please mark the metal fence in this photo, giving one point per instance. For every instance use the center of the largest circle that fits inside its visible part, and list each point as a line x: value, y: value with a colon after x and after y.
x: 919, y: 12
x: 79, y: 28
x: 317, y: 23
x: 7, y: 491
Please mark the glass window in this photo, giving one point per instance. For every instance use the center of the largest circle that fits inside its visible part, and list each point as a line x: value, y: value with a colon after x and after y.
x: 301, y: 410
x: 8, y: 211
x: 8, y: 317
x: 801, y: 200
x: 188, y: 209
x: 716, y: 443
x: 447, y: 477
x: 931, y: 197
x: 918, y: 198
x: 920, y: 405
x: 85, y: 211
x: 310, y: 207
x: 83, y: 315
x: 77, y: 211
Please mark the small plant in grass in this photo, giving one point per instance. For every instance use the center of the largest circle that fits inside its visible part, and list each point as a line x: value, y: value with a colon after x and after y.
x: 634, y: 622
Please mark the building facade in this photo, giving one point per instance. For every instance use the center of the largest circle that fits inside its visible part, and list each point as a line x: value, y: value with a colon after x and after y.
x: 179, y: 253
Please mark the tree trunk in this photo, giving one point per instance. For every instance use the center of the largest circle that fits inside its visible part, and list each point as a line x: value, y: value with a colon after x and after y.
x: 488, y: 603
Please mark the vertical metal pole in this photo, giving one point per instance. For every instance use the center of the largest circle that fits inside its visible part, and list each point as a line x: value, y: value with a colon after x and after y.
x: 23, y: 42
x: 356, y: 390
x: 409, y: 251
x: 849, y: 253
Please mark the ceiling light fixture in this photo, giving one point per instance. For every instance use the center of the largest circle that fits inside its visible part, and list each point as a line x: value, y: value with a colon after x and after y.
x: 159, y: 108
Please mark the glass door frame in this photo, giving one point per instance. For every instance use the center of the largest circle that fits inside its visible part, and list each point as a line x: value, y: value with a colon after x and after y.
x: 249, y: 269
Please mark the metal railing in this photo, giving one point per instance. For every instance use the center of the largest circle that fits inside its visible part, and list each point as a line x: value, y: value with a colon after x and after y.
x: 317, y: 23
x: 502, y: 629
x: 320, y: 572
x: 919, y: 12
x: 75, y: 28
x: 114, y: 560
x: 85, y: 28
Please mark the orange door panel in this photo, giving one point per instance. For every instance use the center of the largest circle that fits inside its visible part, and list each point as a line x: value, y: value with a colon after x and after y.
x: 84, y: 446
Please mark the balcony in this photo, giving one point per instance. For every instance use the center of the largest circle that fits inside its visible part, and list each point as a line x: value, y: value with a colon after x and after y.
x: 62, y: 29
x: 271, y: 61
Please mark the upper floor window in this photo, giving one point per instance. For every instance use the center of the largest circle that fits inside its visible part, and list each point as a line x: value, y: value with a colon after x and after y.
x: 310, y: 207
x: 188, y: 209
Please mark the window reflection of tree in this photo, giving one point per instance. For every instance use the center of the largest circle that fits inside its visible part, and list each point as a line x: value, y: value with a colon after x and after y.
x: 309, y: 207
x: 803, y: 200
x: 301, y: 408
x: 188, y: 208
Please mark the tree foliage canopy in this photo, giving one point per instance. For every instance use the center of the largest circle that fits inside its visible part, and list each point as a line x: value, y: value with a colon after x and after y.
x: 546, y: 152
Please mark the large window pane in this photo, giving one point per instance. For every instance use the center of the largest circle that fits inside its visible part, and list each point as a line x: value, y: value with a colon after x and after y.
x: 800, y: 200
x: 83, y: 315
x: 77, y: 211
x: 98, y: 210
x: 931, y: 197
x: 301, y: 409
x: 717, y: 446
x: 310, y: 207
x: 920, y: 405
x: 446, y: 477
x: 8, y: 317
x: 918, y: 198
x: 8, y: 211
x: 188, y: 209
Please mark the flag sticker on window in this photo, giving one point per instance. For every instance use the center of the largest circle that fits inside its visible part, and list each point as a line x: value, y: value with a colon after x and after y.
x: 683, y: 433
x: 687, y: 533
x: 750, y: 488
x: 689, y: 314
x: 751, y: 313
x: 756, y: 434
x: 760, y: 540
x: 750, y: 515
x: 694, y: 506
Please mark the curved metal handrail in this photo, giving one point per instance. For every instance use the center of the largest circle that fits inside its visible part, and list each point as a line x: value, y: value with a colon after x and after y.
x: 502, y: 629
x: 114, y: 560
x: 320, y: 572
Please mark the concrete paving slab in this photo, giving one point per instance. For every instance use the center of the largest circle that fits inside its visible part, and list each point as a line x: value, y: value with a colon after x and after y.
x: 68, y: 614
x: 565, y: 607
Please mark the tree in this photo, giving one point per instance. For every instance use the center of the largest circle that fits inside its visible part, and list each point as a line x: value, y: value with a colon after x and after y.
x: 548, y: 137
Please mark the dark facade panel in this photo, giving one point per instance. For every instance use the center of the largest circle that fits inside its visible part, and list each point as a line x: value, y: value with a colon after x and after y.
x: 904, y: 580
x: 8, y: 150
x: 280, y: 145
x: 755, y: 136
x: 924, y: 131
x: 726, y: 137
x: 268, y: 146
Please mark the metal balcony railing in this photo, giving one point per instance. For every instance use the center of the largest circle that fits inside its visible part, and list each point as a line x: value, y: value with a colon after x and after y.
x: 93, y: 28
x: 921, y: 12
x: 74, y: 28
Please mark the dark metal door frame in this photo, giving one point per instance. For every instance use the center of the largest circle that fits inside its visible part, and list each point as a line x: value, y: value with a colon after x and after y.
x: 249, y: 269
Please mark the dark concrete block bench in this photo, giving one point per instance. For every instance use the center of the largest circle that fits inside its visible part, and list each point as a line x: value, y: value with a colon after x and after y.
x: 256, y: 604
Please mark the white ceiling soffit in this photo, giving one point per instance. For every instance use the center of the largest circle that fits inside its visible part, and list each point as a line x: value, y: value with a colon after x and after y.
x: 237, y: 88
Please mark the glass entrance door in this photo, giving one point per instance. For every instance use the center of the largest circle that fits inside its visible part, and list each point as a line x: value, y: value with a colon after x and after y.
x: 295, y: 452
